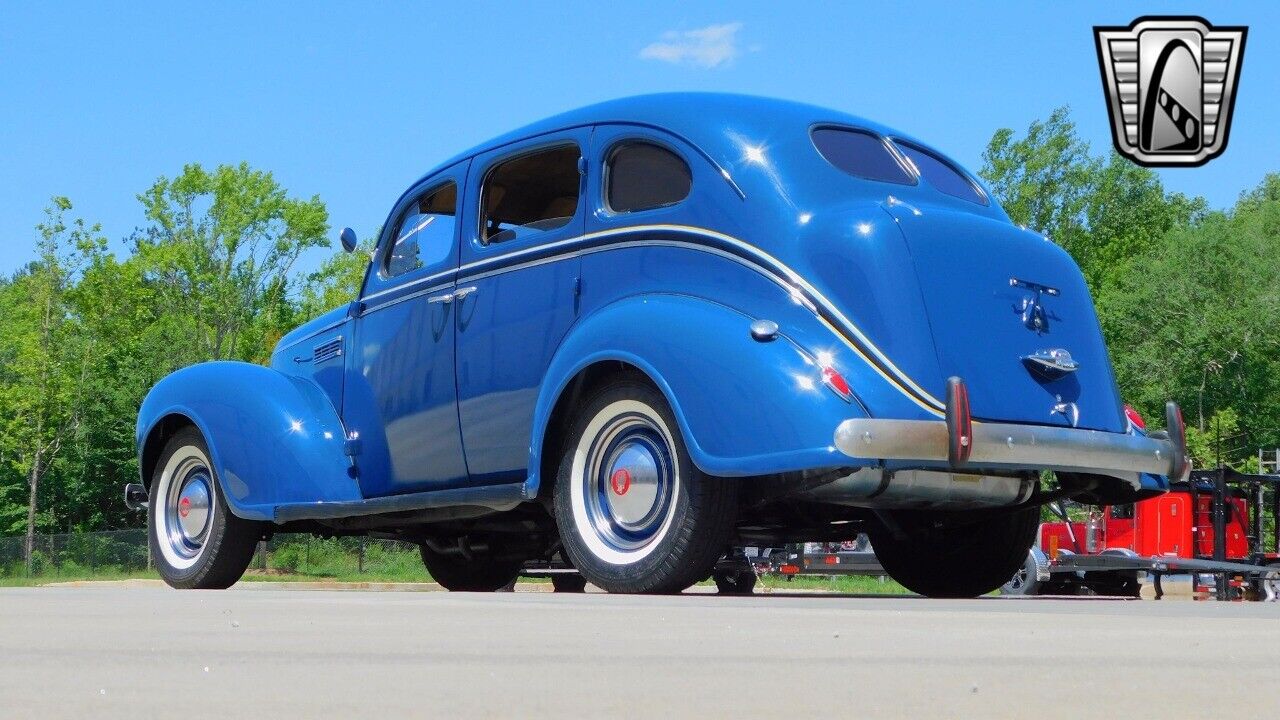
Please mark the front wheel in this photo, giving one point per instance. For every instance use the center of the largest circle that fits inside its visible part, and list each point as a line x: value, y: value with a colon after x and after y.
x: 947, y: 555
x: 635, y: 515
x: 196, y: 542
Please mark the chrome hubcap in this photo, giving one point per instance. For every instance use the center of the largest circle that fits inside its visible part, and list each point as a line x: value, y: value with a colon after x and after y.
x: 188, y: 508
x: 628, y: 482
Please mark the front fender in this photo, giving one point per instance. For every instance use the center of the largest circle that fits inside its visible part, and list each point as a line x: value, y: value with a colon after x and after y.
x: 273, y: 439
x: 744, y: 407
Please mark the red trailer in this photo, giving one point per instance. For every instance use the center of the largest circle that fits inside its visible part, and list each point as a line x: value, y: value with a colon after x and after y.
x: 1215, y: 523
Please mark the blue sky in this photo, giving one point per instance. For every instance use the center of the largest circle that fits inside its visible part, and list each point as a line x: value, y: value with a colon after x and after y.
x: 353, y: 102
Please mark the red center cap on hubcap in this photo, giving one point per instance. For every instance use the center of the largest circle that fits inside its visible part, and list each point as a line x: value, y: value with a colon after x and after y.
x: 621, y: 481
x: 184, y: 506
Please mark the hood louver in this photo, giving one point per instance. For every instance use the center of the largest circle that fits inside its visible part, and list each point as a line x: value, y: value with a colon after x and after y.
x: 327, y: 350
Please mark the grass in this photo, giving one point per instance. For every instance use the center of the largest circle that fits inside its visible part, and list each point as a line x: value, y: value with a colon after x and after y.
x: 847, y: 584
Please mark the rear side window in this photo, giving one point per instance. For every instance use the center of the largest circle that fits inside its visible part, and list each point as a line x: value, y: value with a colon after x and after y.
x: 530, y: 193
x: 424, y: 235
x: 861, y: 154
x: 643, y: 176
x: 942, y: 175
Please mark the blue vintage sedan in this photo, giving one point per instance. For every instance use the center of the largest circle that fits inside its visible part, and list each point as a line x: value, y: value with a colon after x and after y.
x: 633, y: 336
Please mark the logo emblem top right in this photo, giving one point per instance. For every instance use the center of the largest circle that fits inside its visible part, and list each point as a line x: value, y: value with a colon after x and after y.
x: 1170, y: 84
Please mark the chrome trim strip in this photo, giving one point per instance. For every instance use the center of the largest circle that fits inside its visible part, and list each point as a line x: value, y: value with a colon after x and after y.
x: 1002, y: 444
x: 768, y: 266
x: 404, y: 298
x: 784, y: 276
x: 411, y: 283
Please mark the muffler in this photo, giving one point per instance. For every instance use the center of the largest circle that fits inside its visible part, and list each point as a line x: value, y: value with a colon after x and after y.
x: 924, y: 489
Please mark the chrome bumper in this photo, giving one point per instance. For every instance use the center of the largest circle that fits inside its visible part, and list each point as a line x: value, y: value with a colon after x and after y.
x: 1005, y: 445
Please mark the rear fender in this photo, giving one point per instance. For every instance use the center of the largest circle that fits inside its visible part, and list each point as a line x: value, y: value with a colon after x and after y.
x: 273, y: 439
x: 744, y: 407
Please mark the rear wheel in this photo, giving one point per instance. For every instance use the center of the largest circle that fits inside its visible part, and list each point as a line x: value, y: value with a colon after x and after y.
x: 944, y: 555
x: 196, y: 542
x: 635, y: 515
x: 480, y: 572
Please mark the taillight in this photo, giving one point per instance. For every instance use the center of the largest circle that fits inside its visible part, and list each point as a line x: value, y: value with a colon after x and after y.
x: 1134, y: 417
x: 834, y: 380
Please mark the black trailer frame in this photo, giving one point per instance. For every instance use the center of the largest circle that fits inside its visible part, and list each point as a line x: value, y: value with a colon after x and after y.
x: 1219, y: 484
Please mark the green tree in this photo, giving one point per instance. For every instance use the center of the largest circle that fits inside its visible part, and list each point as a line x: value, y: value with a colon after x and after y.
x: 1100, y: 210
x: 1197, y: 318
x: 337, y: 281
x: 42, y: 389
x: 219, y: 250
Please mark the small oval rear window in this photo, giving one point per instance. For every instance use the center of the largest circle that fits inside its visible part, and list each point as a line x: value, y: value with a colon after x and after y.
x: 643, y: 176
x: 939, y: 173
x: 861, y: 154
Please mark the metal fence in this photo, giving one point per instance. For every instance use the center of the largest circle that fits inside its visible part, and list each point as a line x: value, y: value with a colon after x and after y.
x: 126, y: 552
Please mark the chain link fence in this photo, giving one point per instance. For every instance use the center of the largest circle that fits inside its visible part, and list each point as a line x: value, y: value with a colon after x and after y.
x: 126, y: 553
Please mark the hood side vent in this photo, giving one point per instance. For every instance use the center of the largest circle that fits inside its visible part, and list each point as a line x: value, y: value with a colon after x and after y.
x: 327, y: 350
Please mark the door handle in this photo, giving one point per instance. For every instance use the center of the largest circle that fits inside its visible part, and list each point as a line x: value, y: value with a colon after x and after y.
x: 445, y: 298
x: 463, y: 292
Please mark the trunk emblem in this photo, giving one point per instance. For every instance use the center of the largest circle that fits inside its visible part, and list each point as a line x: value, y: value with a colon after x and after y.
x: 1033, y: 313
x: 1050, y: 364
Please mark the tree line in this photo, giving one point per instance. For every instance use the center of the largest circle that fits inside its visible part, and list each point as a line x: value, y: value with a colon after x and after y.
x: 1188, y: 299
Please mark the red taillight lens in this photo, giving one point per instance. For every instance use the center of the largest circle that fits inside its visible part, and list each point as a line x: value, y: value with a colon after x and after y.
x: 834, y: 380
x: 1134, y: 417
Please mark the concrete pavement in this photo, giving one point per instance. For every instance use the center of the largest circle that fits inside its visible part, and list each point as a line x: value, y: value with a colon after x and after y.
x: 143, y: 651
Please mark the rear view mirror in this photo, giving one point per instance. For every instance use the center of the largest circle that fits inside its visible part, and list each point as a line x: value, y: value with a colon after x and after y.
x: 349, y: 240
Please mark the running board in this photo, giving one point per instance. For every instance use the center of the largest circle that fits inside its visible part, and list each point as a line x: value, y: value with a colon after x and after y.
x: 493, y: 497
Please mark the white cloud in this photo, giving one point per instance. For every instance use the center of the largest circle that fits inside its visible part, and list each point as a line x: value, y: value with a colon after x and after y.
x: 711, y: 46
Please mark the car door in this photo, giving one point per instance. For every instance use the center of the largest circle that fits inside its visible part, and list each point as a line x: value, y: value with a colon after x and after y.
x: 400, y: 399
x: 518, y: 286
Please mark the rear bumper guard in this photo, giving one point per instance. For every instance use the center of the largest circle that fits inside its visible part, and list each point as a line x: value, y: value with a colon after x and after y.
x: 962, y: 443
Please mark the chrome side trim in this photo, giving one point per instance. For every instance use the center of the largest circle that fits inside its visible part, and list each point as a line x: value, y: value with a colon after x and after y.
x: 411, y: 283
x: 761, y: 261
x: 407, y: 297
x: 1028, y: 447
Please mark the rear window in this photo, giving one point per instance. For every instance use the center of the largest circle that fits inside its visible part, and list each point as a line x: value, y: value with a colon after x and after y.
x: 939, y: 173
x: 861, y: 154
x: 643, y: 176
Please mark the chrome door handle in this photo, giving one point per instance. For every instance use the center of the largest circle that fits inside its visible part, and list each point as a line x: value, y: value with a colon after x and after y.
x: 463, y: 292
x: 445, y: 298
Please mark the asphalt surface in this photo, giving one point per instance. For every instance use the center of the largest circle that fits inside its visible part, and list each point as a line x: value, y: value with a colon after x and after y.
x: 142, y: 652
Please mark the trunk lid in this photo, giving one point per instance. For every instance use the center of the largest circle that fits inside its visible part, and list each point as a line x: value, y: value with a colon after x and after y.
x: 998, y: 297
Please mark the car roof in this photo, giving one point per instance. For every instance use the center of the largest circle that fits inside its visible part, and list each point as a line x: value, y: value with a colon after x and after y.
x: 701, y: 118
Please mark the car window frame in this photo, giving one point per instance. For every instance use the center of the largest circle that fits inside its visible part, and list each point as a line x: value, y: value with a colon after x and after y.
x: 615, y: 144
x: 483, y: 243
x: 383, y: 258
x: 886, y: 141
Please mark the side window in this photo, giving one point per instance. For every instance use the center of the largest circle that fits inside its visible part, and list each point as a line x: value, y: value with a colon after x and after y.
x: 941, y: 175
x: 643, y: 176
x: 530, y: 193
x: 861, y: 154
x: 424, y: 235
